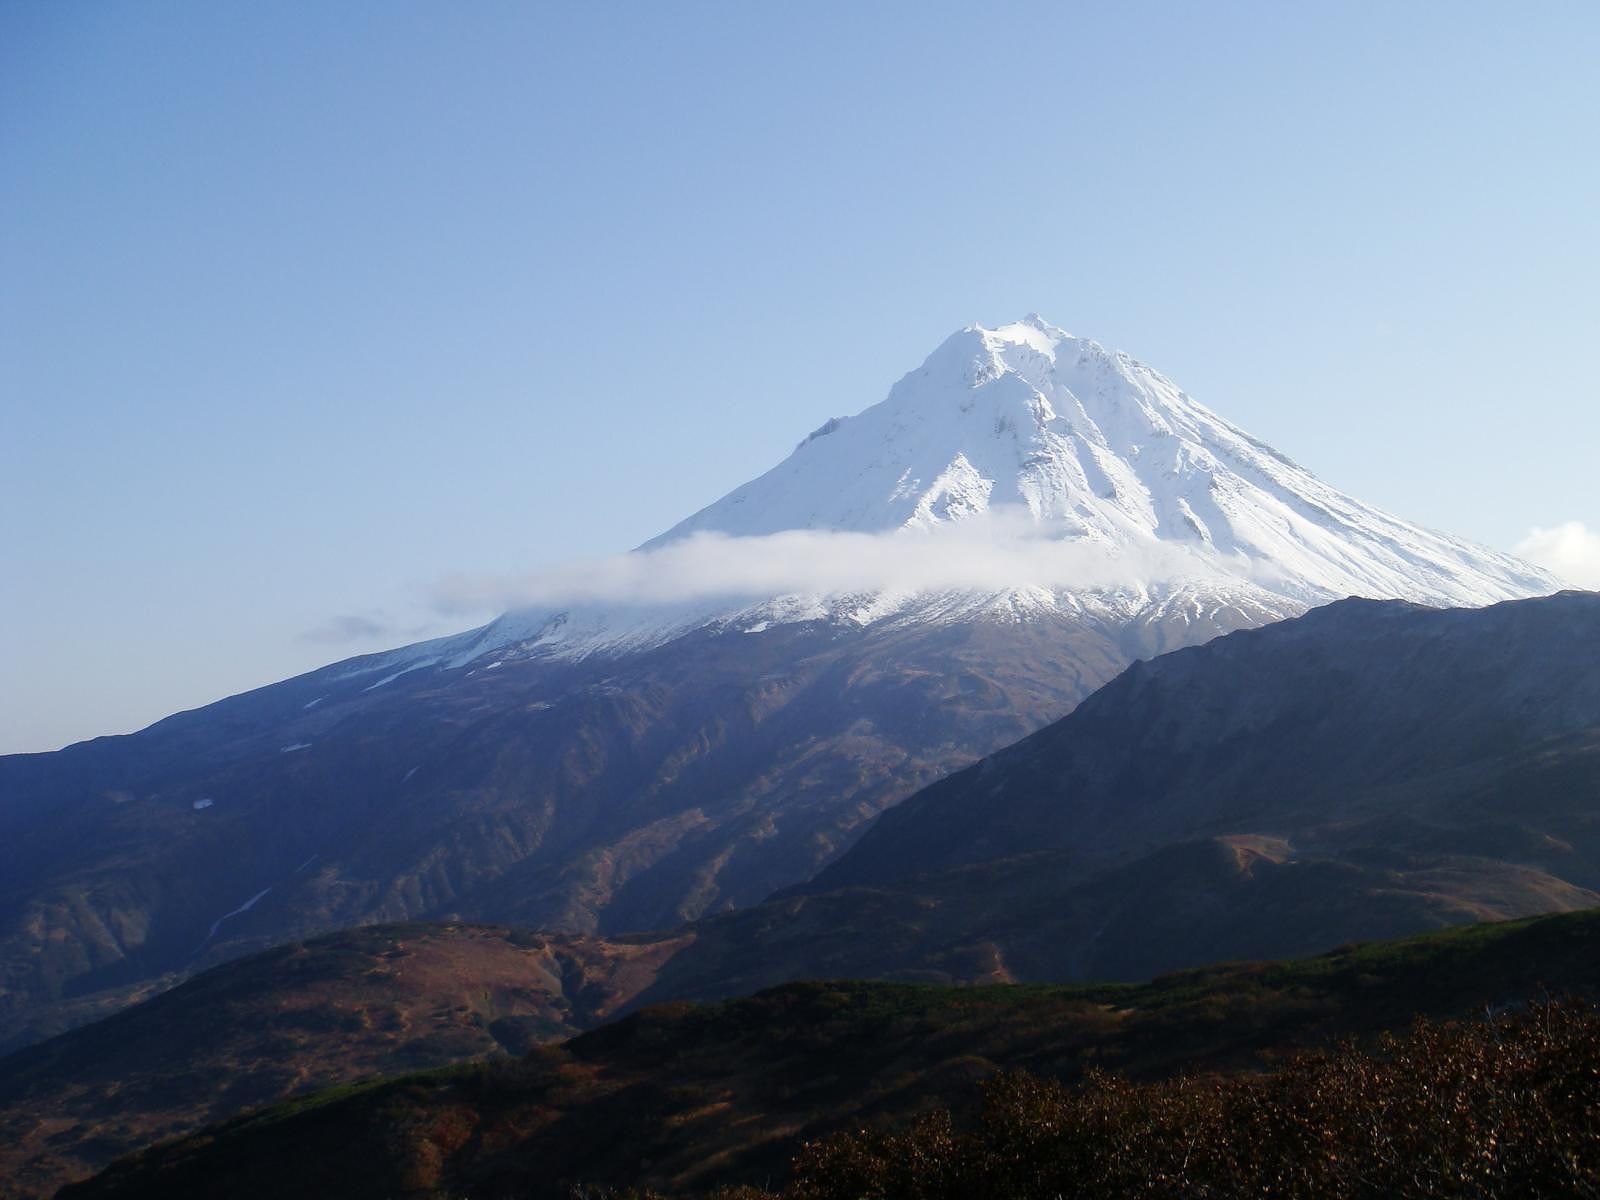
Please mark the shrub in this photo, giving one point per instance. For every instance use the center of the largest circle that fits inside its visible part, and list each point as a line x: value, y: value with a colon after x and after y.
x: 1508, y: 1107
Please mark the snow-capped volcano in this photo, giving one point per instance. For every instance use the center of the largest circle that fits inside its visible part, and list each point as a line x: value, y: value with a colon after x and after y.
x: 1099, y: 447
x: 1131, y: 497
x: 915, y: 587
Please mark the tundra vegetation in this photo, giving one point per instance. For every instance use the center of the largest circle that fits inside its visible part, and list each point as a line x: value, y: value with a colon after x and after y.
x: 1432, y: 1066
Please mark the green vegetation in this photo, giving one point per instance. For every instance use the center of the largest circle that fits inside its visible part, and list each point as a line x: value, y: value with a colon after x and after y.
x: 818, y: 1090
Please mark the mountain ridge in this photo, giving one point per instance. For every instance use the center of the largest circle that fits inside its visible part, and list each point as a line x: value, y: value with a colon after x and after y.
x: 1509, y: 674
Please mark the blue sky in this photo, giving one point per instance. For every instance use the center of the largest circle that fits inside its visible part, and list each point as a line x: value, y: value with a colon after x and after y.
x: 303, y: 307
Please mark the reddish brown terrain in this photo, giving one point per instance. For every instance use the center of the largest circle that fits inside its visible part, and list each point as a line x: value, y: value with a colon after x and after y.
x: 296, y: 1019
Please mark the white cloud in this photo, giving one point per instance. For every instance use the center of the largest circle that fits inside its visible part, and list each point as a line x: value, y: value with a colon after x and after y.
x: 1002, y: 549
x: 1570, y: 550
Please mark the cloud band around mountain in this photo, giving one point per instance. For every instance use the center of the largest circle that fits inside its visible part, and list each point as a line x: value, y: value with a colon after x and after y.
x: 999, y: 550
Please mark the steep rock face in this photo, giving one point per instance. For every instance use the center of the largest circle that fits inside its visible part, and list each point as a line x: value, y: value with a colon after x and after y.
x: 613, y: 766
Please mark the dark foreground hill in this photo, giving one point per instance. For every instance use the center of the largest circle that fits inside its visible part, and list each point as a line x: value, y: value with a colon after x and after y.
x: 684, y: 1097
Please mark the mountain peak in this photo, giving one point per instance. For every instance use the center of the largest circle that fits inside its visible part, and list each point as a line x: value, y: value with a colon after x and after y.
x: 1032, y: 331
x: 1092, y: 445
x: 982, y: 353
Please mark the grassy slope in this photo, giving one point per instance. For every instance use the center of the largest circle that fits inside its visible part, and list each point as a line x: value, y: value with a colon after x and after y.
x: 685, y: 1096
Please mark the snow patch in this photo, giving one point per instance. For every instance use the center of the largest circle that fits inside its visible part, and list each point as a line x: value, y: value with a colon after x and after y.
x: 406, y: 669
x: 243, y: 908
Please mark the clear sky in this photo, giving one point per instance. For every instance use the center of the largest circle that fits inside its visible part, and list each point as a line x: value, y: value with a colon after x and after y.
x: 304, y: 306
